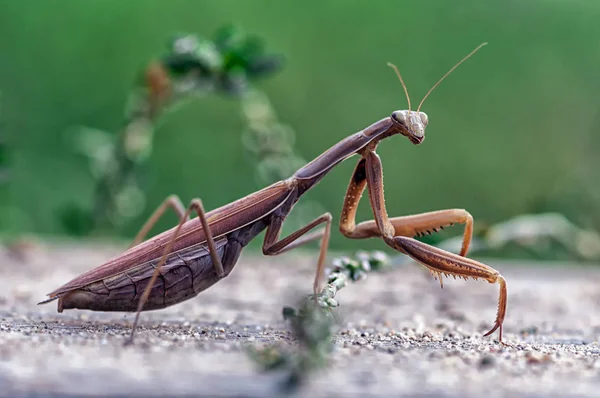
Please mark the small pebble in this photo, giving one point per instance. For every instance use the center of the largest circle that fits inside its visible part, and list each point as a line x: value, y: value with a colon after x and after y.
x: 487, y: 361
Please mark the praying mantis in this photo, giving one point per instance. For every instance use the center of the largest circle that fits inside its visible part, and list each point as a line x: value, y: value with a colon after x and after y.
x: 179, y: 263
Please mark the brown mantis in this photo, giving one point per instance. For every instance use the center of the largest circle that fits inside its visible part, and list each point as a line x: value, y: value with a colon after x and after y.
x: 179, y: 263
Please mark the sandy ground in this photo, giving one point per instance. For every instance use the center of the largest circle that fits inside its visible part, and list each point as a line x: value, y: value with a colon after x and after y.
x: 400, y: 335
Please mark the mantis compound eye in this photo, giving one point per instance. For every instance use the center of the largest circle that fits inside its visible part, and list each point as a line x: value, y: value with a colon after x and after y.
x: 400, y: 117
x: 424, y: 118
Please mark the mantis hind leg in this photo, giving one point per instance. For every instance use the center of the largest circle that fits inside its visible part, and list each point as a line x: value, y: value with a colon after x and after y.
x: 172, y: 202
x: 195, y: 205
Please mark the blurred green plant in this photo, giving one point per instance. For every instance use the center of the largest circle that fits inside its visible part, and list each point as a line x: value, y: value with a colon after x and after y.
x: 270, y: 143
x: 576, y: 194
x: 192, y: 66
x: 314, y: 322
x: 268, y: 140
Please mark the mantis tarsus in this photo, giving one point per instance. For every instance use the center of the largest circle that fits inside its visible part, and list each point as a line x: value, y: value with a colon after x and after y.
x: 179, y: 263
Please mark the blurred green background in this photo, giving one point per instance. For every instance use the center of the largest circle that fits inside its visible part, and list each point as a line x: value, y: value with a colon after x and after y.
x: 513, y: 130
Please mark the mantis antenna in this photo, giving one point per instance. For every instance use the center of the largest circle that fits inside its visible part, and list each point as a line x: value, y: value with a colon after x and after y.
x: 395, y: 68
x: 447, y: 73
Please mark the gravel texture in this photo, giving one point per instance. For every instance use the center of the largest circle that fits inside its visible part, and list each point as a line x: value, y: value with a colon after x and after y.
x: 400, y: 333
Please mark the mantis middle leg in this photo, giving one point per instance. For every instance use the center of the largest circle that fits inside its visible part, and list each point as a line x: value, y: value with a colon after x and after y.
x: 273, y: 245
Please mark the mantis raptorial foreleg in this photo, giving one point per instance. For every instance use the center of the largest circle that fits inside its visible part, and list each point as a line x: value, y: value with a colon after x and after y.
x: 445, y: 263
x: 410, y: 226
x: 172, y: 202
x: 273, y: 246
x: 195, y: 205
x: 395, y: 232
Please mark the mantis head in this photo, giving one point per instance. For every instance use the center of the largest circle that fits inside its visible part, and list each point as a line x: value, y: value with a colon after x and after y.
x: 412, y: 124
